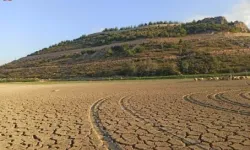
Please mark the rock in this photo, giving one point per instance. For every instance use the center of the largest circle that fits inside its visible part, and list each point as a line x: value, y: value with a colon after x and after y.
x: 222, y: 20
x: 241, y: 25
x: 214, y: 20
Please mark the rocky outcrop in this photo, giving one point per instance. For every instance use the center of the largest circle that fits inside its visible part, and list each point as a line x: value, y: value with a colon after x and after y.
x: 214, y: 20
x: 241, y: 25
x: 237, y: 25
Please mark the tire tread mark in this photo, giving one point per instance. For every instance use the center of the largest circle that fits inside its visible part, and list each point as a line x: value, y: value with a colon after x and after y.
x: 190, y: 99
x: 221, y: 97
x: 243, y: 95
x: 161, y: 129
x: 107, y: 141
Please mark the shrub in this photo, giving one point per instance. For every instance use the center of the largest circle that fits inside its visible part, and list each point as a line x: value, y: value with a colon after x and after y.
x: 109, y: 53
x: 139, y: 49
x: 128, y: 69
x: 170, y: 69
x: 146, y: 68
x: 199, y: 63
x: 90, y: 51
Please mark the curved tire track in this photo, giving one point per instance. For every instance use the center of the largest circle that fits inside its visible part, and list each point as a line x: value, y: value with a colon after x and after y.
x: 244, y: 95
x: 188, y: 142
x: 107, y: 141
x: 221, y: 97
x: 190, y: 99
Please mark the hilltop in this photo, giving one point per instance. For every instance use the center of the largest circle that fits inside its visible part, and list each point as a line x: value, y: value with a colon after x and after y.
x: 210, y: 45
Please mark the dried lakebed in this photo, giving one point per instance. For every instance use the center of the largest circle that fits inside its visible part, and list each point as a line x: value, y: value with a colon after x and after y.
x: 164, y: 114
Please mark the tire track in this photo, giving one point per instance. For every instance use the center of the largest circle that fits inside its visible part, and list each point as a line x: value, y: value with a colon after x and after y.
x: 221, y: 97
x: 190, y: 99
x: 221, y: 101
x: 106, y: 140
x: 188, y: 142
x: 244, y: 95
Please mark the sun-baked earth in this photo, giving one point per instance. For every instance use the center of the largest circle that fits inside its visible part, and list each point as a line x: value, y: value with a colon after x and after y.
x: 163, y: 114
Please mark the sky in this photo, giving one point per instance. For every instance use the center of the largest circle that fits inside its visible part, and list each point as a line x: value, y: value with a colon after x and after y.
x: 27, y: 25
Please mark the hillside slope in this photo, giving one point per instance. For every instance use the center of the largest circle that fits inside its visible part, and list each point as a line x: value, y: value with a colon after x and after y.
x: 211, y: 45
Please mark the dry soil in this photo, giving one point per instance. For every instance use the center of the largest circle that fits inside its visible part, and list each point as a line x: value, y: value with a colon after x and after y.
x: 159, y: 114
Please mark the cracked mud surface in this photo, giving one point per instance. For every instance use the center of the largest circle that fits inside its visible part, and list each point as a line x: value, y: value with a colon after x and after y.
x: 167, y: 114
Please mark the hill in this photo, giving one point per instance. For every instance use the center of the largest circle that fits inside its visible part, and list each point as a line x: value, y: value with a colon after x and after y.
x: 211, y: 45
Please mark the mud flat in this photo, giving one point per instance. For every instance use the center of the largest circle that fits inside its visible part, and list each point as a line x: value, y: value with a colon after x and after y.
x: 160, y: 114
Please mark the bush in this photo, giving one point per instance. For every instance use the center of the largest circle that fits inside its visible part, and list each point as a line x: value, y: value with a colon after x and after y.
x: 129, y: 52
x: 128, y: 69
x: 90, y: 52
x: 199, y: 63
x: 139, y: 49
x: 170, y: 69
x: 109, y: 53
x: 146, y: 68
